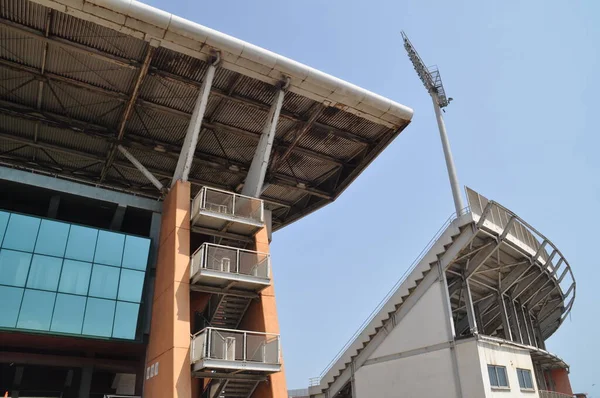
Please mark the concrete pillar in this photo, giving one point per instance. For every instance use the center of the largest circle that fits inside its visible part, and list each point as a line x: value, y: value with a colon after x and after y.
x: 86, y: 381
x: 53, y: 206
x: 169, y: 341
x: 262, y: 317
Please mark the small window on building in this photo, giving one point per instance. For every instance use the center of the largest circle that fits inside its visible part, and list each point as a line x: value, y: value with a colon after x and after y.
x: 498, y: 376
x: 525, y: 381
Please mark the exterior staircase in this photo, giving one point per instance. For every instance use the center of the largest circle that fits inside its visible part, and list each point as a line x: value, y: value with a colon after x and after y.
x: 231, y: 388
x: 229, y: 311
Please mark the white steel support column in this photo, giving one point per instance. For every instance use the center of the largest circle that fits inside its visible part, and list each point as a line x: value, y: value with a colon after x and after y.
x: 184, y: 163
x: 450, y: 333
x: 470, y: 309
x: 517, y: 325
x: 458, y: 201
x: 260, y: 162
x: 504, y: 315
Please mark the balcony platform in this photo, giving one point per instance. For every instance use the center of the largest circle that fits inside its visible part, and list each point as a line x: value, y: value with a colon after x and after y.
x: 240, y: 352
x: 230, y: 268
x: 222, y: 211
x: 239, y: 367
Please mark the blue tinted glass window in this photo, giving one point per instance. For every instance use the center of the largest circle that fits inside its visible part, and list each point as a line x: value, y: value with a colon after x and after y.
x: 99, y: 316
x: 131, y: 285
x: 3, y: 223
x: 82, y: 243
x: 136, y: 251
x: 75, y: 277
x: 21, y: 233
x: 36, y: 310
x: 109, y: 249
x: 68, y: 314
x: 44, y: 272
x: 126, y: 316
x: 10, y: 301
x: 104, y: 282
x: 52, y: 238
x: 14, y: 267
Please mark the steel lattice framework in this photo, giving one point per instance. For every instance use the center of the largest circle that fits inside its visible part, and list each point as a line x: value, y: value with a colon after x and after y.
x: 72, y: 91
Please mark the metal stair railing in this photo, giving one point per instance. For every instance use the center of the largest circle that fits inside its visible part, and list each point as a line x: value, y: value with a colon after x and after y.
x: 315, y: 381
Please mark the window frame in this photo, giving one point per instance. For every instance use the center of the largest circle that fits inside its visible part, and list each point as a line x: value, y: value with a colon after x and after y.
x: 498, y: 386
x: 522, y: 371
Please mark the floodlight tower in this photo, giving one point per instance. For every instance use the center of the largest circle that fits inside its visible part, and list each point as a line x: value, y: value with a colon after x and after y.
x: 433, y: 83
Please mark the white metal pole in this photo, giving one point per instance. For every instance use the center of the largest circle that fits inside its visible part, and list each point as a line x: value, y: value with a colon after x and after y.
x: 458, y: 201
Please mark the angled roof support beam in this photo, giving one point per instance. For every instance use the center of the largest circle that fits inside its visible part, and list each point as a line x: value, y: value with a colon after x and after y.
x: 141, y: 168
x: 258, y: 168
x: 129, y: 108
x: 505, y: 322
x: 186, y: 157
x: 481, y: 257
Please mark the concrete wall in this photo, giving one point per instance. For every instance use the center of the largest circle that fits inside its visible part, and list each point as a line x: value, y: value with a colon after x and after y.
x: 469, y: 369
x: 422, y: 326
x: 414, y: 360
x: 425, y: 375
x: 511, y: 357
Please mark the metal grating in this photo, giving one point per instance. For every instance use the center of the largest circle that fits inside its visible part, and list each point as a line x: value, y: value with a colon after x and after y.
x: 97, y: 37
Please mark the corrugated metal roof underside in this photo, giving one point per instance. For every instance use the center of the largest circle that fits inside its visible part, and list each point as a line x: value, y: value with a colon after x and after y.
x: 65, y: 84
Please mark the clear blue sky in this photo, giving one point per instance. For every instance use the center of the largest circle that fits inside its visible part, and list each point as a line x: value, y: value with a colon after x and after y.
x: 524, y: 77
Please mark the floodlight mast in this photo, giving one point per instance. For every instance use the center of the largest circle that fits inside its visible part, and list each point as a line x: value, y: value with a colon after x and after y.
x: 433, y: 83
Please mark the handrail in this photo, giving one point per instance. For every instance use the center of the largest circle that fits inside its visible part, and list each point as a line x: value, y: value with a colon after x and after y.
x: 554, y: 394
x: 210, y: 335
x: 231, y: 206
x: 200, y: 259
x: 389, y: 294
x: 230, y: 248
x: 235, y: 331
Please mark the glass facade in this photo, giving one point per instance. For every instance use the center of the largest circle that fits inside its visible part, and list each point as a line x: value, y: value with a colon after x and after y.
x: 60, y: 278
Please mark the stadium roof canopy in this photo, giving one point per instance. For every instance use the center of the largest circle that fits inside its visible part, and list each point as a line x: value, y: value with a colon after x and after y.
x: 78, y: 78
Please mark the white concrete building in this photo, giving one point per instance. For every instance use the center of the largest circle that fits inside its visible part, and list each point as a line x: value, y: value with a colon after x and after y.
x: 469, y: 320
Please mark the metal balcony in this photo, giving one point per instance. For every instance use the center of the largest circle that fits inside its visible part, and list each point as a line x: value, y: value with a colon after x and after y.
x: 223, y: 267
x: 553, y: 394
x: 229, y: 350
x: 222, y: 211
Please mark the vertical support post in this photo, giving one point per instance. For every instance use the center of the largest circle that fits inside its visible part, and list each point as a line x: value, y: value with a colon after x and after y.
x: 504, y: 315
x: 533, y: 334
x: 541, y: 342
x: 458, y: 201
x: 86, y: 381
x: 518, y: 334
x: 527, y: 334
x: 245, y: 345
x: 184, y: 163
x: 16, y: 386
x: 470, y: 308
x: 450, y: 331
x: 117, y: 220
x: 53, y: 206
x: 260, y: 162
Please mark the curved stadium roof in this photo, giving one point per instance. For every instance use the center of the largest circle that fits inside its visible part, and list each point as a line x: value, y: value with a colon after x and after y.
x: 78, y: 77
